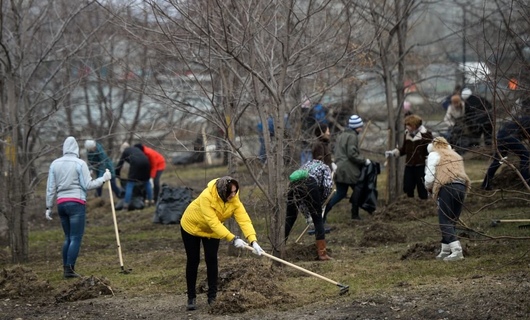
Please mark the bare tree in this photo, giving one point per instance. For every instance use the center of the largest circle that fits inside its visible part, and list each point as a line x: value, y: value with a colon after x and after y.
x: 35, y: 52
x: 256, y: 55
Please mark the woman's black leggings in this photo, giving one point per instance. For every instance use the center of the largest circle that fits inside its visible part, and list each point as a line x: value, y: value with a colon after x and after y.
x: 192, y: 244
x: 305, y: 195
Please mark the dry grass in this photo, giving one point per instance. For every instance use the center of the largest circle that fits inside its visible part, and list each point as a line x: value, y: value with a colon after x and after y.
x: 398, y: 254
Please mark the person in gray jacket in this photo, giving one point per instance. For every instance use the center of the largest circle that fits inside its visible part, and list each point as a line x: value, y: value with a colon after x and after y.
x: 69, y: 180
x: 349, y: 164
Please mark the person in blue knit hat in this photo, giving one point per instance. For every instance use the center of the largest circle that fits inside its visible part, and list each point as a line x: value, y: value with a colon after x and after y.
x: 349, y: 161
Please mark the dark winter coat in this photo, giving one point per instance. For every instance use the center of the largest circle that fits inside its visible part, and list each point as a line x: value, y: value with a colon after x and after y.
x: 99, y: 161
x: 348, y: 157
x: 415, y: 146
x: 139, y: 164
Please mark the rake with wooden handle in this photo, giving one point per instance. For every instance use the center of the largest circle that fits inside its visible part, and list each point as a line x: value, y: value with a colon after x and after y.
x: 123, y: 270
x: 343, y: 288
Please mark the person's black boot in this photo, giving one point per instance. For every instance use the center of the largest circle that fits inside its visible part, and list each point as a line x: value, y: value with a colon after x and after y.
x: 69, y: 272
x: 191, y: 305
x: 355, y: 214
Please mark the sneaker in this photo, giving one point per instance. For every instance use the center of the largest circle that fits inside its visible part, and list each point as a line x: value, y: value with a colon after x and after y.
x: 191, y: 305
x: 211, y: 301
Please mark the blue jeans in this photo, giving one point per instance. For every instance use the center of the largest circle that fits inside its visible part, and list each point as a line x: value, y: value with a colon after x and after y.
x: 341, y: 193
x: 450, y: 203
x: 72, y: 216
x: 129, y: 188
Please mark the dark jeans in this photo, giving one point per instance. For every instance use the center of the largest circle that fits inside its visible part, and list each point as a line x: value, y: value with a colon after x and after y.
x: 72, y: 216
x: 192, y: 244
x: 505, y: 145
x: 305, y: 195
x: 156, y: 185
x: 129, y: 188
x: 414, y: 179
x: 118, y: 192
x: 450, y: 202
x: 341, y: 193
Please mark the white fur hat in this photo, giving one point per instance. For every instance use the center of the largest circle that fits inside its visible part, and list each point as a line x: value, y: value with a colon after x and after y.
x: 466, y: 93
x: 90, y: 144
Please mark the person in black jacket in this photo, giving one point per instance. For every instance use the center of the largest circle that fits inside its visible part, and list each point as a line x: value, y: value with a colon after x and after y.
x: 509, y: 139
x: 139, y: 170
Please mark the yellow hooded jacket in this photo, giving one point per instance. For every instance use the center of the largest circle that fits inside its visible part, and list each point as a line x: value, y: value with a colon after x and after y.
x: 204, y: 217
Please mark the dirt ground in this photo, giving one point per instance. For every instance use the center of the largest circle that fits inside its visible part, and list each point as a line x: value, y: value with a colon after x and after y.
x: 253, y: 291
x: 250, y: 292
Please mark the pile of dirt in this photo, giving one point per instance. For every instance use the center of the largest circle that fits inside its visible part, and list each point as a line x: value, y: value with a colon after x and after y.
x: 421, y: 251
x: 506, y: 178
x: 298, y: 252
x: 379, y: 233
x: 246, y: 287
x: 21, y: 282
x: 407, y: 209
x: 85, y: 288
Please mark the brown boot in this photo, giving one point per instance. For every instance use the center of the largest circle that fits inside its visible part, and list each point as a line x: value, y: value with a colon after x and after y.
x: 321, y: 250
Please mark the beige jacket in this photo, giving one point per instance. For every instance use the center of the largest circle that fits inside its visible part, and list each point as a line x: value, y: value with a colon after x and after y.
x: 444, y: 166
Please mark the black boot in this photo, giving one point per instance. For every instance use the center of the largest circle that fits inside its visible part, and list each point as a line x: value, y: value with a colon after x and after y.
x: 355, y: 213
x: 192, y: 305
x: 69, y: 272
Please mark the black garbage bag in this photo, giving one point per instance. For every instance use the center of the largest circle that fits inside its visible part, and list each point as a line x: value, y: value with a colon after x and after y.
x: 172, y: 201
x: 367, y: 187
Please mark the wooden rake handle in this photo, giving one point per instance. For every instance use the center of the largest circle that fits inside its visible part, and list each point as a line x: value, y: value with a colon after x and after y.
x: 342, y: 286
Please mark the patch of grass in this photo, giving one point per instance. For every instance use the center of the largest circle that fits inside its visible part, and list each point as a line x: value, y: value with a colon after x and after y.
x: 155, y: 253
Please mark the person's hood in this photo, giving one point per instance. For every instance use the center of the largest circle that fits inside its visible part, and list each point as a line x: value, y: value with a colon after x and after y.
x: 70, y: 146
x: 223, y: 187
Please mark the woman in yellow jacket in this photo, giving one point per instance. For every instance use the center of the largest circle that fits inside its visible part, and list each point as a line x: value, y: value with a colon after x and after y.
x: 203, y: 222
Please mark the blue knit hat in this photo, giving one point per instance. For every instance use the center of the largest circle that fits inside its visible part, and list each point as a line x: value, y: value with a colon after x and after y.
x: 355, y: 122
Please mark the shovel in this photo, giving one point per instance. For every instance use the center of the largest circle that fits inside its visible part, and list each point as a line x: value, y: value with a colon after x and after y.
x: 123, y: 270
x: 343, y: 288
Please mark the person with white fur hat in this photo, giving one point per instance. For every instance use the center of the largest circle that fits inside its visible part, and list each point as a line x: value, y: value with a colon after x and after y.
x: 349, y: 163
x: 98, y: 162
x: 447, y: 181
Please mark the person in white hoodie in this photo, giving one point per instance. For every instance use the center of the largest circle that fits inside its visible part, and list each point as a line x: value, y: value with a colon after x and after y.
x: 447, y: 181
x: 69, y: 180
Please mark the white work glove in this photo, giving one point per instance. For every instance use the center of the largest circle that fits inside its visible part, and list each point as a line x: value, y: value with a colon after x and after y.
x: 309, y: 222
x: 49, y: 214
x: 503, y: 159
x: 392, y: 153
x: 257, y: 249
x: 107, y: 176
x: 367, y: 162
x: 238, y: 243
x: 333, y: 167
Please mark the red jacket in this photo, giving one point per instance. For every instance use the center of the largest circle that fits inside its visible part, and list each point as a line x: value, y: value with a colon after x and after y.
x: 156, y: 160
